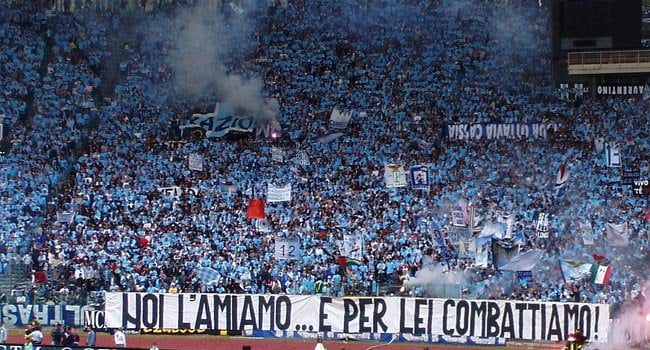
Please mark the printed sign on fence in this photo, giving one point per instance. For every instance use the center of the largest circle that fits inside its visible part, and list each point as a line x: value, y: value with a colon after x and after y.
x: 19, y: 315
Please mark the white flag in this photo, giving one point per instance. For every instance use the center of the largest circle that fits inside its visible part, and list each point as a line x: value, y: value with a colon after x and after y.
x: 195, y: 162
x: 617, y: 234
x: 395, y: 175
x: 65, y: 216
x: 263, y: 225
x: 276, y: 194
x: 599, y: 143
x: 482, y: 252
x: 525, y: 261
x: 493, y: 230
x: 238, y: 9
x: 587, y: 232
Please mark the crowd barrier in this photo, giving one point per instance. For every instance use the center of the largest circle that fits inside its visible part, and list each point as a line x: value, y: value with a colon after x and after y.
x: 303, y: 316
x: 56, y: 347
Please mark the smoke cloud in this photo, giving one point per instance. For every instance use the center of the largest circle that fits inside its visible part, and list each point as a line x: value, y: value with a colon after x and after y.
x: 207, y: 46
x: 633, y: 325
x: 431, y: 279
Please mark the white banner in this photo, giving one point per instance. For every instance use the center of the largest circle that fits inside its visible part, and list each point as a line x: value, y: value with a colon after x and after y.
x: 65, y: 216
x: 395, y: 175
x: 195, y: 162
x: 287, y: 248
x: 452, y: 317
x: 457, y: 216
x: 278, y: 194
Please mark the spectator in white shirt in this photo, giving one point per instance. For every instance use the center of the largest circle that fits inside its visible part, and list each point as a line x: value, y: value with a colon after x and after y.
x: 319, y: 344
x: 3, y: 333
x: 120, y: 338
x: 37, y: 336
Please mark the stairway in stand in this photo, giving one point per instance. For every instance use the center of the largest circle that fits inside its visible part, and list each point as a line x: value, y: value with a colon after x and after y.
x: 16, y: 279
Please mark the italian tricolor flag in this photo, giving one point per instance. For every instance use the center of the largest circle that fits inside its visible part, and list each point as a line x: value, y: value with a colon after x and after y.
x: 600, y: 274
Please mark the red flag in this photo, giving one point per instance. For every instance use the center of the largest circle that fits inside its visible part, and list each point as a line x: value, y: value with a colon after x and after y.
x: 343, y: 261
x: 144, y: 242
x: 255, y: 209
x: 40, y: 277
x: 598, y: 257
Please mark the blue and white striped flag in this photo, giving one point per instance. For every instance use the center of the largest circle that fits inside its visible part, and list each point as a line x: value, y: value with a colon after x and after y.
x: 207, y: 274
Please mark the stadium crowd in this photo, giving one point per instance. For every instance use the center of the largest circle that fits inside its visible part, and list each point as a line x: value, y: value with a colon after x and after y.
x: 407, y: 69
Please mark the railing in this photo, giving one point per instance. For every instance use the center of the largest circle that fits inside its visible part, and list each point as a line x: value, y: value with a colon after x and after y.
x: 609, y: 57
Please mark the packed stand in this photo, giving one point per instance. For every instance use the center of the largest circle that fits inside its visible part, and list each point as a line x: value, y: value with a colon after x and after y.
x: 411, y: 69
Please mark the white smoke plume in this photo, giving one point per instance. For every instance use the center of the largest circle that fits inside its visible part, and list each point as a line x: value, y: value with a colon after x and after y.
x: 431, y: 280
x: 633, y: 325
x: 205, y: 42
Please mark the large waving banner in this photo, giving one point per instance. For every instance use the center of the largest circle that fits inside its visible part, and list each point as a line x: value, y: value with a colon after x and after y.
x: 220, y: 124
x: 415, y: 316
x: 467, y: 132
